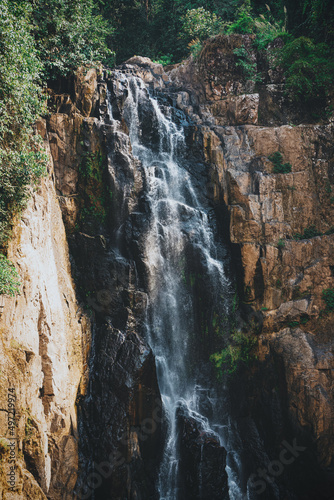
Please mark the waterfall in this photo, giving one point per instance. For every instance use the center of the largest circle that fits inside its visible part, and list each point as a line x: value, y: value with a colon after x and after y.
x: 180, y: 251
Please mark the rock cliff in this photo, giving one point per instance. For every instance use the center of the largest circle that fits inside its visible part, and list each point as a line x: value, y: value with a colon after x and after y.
x: 281, y: 232
x: 280, y: 227
x: 45, y: 339
x: 88, y: 405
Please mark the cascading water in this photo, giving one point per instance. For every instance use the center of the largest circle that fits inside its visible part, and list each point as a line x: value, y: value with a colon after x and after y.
x: 179, y: 248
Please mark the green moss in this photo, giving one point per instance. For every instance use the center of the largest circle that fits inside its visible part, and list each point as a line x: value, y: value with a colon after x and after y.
x: 96, y: 193
x: 9, y: 278
x: 29, y: 427
x: 330, y: 231
x: 311, y: 232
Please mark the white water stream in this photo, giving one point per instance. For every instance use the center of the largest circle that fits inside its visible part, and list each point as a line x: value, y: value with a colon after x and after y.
x: 177, y: 222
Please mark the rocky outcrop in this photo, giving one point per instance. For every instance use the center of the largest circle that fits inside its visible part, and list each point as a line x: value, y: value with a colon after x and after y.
x: 99, y: 184
x: 281, y: 233
x: 282, y: 265
x: 280, y: 226
x: 268, y: 212
x: 45, y: 339
x: 86, y: 390
x: 202, y: 461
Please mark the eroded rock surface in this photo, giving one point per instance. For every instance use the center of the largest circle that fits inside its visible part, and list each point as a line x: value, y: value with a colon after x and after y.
x: 45, y: 339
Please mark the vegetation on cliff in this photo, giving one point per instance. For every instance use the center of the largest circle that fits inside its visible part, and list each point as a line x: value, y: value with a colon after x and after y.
x: 43, y: 41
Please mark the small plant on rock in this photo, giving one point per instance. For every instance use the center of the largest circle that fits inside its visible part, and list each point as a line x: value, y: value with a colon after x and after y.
x: 279, y: 167
x: 328, y: 297
x: 238, y: 352
x: 9, y: 278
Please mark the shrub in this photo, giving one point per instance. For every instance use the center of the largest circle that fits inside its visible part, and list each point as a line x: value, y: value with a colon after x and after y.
x: 248, y: 67
x: 195, y: 47
x: 266, y: 29
x: 308, y: 69
x: 234, y: 355
x: 22, y: 157
x: 279, y: 167
x: 309, y: 232
x: 165, y: 60
x: 244, y: 22
x: 68, y: 35
x: 9, y: 277
x: 280, y: 243
x: 328, y: 297
x: 201, y: 24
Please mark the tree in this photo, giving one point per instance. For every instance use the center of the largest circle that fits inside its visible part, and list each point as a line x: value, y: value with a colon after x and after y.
x: 22, y: 159
x: 69, y: 34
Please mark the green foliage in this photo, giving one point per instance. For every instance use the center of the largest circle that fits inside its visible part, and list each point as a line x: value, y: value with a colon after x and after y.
x: 22, y: 157
x: 318, y: 17
x: 96, y: 192
x: 9, y: 278
x: 235, y: 302
x: 68, y: 35
x: 165, y: 60
x: 244, y: 61
x: 268, y: 29
x: 328, y: 187
x: 29, y: 428
x: 304, y: 320
x: 195, y: 47
x: 309, y: 232
x: 265, y: 27
x: 200, y: 24
x: 330, y: 231
x: 281, y: 243
x: 328, y: 297
x: 279, y: 167
x: 244, y: 22
x: 308, y: 68
x: 239, y: 352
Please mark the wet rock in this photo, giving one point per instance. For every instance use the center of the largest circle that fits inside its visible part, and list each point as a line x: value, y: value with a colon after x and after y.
x: 202, y: 461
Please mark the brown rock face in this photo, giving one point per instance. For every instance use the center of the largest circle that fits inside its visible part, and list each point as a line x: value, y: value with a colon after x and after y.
x: 268, y: 210
x: 44, y: 337
x: 309, y: 378
x: 281, y: 226
x: 47, y: 337
x: 283, y: 264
